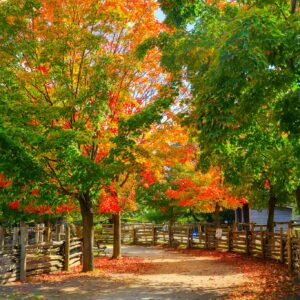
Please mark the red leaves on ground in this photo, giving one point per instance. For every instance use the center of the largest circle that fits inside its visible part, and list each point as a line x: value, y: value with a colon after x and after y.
x: 126, y: 264
x: 267, y: 279
x: 107, y: 266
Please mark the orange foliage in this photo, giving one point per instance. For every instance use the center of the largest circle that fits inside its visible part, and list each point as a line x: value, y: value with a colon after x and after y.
x: 203, y: 191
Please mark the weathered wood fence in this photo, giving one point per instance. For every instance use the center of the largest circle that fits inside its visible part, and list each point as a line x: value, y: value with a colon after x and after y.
x: 27, y: 251
x: 31, y: 250
x: 282, y: 245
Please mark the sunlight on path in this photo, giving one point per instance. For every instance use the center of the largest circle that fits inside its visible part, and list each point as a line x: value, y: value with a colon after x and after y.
x: 174, y: 276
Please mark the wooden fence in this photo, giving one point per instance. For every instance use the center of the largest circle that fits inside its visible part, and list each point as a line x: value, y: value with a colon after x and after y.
x: 27, y: 251
x: 282, y: 245
x: 31, y: 250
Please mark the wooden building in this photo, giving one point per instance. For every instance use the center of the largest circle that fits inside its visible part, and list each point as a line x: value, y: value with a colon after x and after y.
x: 247, y: 214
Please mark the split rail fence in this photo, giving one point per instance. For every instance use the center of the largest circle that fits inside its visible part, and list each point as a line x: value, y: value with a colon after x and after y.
x: 282, y: 245
x: 27, y: 251
x: 32, y: 250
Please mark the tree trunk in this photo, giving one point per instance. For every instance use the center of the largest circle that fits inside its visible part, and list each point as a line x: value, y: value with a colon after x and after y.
x: 293, y: 6
x: 88, y: 232
x: 171, y: 225
x: 271, y: 211
x: 217, y: 215
x: 117, y: 236
x: 298, y: 198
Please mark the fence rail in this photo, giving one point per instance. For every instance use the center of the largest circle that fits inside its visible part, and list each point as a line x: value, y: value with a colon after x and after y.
x: 27, y: 251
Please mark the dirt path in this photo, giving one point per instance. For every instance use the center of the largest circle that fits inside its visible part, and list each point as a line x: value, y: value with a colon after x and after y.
x: 173, y: 276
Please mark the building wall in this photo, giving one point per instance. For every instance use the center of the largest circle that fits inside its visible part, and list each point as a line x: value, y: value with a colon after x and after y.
x: 281, y: 215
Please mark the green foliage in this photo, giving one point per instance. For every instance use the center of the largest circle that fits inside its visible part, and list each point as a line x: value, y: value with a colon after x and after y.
x: 242, y: 61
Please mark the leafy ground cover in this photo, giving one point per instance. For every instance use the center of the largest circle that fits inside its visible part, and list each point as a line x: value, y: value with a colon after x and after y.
x: 267, y: 279
x: 156, y: 273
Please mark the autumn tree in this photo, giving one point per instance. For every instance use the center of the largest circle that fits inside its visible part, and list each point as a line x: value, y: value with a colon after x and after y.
x: 74, y: 99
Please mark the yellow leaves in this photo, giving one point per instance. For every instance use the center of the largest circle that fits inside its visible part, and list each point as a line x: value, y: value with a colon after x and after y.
x: 284, y: 135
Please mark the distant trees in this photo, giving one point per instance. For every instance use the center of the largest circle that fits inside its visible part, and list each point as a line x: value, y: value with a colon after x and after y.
x: 241, y: 59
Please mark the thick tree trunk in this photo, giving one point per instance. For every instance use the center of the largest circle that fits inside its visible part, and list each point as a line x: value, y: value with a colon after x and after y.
x: 88, y: 232
x: 271, y: 211
x: 117, y: 236
x: 217, y: 215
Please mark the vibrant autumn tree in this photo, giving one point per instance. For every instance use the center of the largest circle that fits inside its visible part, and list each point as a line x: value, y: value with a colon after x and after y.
x: 171, y: 183
x: 74, y: 99
x: 204, y: 193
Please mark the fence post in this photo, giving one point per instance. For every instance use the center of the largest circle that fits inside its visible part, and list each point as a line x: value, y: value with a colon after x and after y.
x: 189, y: 237
x: 282, y: 246
x: 206, y: 236
x: 67, y: 248
x: 42, y: 230
x: 37, y: 233
x: 48, y: 233
x: 229, y: 238
x: 154, y: 232
x: 15, y: 236
x: 1, y: 237
x: 135, y: 236
x: 262, y: 244
x: 23, y: 244
x: 298, y: 256
x: 290, y: 248
x: 248, y: 242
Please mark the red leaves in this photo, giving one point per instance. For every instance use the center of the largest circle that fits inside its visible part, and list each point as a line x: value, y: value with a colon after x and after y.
x: 124, y: 265
x: 107, y: 266
x: 147, y: 178
x: 243, y: 200
x: 163, y: 210
x: 46, y: 209
x: 14, y: 204
x: 112, y: 101
x: 65, y: 208
x: 43, y: 69
x: 186, y: 203
x: 33, y: 122
x: 109, y: 204
x: 66, y: 125
x: 266, y: 279
x: 267, y: 184
x: 192, y: 192
x: 3, y: 182
x: 35, y: 192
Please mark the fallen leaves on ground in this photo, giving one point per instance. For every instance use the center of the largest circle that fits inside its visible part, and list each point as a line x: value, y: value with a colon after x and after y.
x: 267, y: 279
x: 104, y: 266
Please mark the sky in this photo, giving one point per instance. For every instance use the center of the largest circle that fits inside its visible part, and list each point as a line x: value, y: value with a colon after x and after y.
x: 160, y: 15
